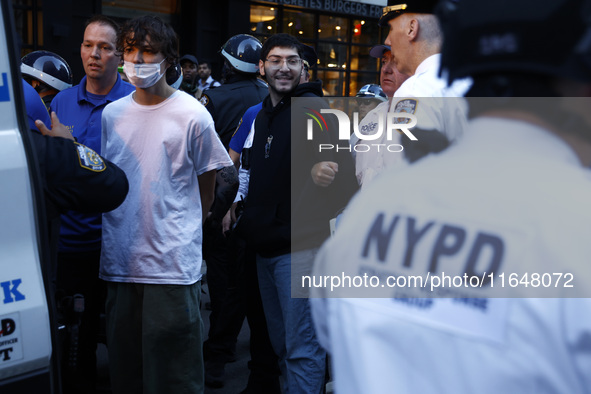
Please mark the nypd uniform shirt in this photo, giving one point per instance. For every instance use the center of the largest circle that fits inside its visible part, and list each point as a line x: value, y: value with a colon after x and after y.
x: 436, y: 106
x: 507, y: 180
x: 370, y: 163
x: 35, y: 108
x: 242, y: 139
x: 435, y: 113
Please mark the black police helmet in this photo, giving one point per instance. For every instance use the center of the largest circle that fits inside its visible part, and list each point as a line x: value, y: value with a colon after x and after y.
x: 516, y: 36
x: 174, y: 75
x: 398, y: 7
x: 372, y: 91
x: 243, y: 52
x: 48, y: 68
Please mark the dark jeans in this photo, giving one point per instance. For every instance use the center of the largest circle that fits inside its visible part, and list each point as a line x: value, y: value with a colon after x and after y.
x: 234, y: 291
x: 77, y: 273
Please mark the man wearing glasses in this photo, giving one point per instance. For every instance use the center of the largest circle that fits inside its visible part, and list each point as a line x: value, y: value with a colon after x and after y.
x: 287, y: 212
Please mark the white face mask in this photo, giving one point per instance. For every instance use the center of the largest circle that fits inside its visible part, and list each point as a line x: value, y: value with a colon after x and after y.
x: 143, y: 75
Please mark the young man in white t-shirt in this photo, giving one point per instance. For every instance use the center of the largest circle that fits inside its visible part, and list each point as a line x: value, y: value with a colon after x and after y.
x: 166, y: 143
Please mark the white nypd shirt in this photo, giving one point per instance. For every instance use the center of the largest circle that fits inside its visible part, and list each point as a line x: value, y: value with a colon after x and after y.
x: 437, y: 107
x: 509, y: 182
x: 440, y: 112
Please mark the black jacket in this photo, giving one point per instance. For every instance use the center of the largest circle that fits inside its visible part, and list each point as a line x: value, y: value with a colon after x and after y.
x: 284, y: 210
x: 75, y: 178
x: 227, y: 103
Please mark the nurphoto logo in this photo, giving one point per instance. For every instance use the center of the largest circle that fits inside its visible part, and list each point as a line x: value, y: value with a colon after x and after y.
x: 386, y: 125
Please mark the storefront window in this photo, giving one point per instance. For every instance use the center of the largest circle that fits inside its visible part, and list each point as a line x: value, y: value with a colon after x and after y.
x: 333, y: 82
x: 333, y: 28
x: 298, y: 24
x: 332, y: 55
x: 342, y: 43
x: 263, y: 20
x: 365, y: 33
x: 360, y: 79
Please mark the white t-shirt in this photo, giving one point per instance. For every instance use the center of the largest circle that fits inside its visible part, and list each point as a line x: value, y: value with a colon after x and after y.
x: 155, y: 236
x: 510, y: 181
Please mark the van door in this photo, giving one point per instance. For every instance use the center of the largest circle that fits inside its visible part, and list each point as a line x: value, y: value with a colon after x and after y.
x: 25, y: 326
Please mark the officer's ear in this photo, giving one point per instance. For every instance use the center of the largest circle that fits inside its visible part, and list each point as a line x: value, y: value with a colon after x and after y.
x: 413, y: 28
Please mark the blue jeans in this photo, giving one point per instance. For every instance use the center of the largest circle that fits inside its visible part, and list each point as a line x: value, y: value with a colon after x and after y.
x: 291, y: 330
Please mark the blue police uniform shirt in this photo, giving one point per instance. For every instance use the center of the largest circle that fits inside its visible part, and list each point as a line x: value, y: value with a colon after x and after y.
x: 35, y: 108
x: 81, y: 113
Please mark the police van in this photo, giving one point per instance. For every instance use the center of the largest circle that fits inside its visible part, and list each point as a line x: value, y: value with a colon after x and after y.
x: 28, y: 359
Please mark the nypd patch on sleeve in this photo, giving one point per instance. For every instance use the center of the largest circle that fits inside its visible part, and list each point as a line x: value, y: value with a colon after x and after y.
x: 407, y: 105
x: 204, y: 100
x: 89, y: 159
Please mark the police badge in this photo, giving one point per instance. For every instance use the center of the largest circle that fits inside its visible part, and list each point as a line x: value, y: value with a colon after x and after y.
x: 89, y: 159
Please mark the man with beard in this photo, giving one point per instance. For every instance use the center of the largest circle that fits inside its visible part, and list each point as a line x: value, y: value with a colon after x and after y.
x: 206, y: 81
x: 268, y: 214
x: 190, y: 76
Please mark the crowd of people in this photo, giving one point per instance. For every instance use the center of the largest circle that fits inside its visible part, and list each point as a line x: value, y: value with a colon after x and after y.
x: 222, y: 173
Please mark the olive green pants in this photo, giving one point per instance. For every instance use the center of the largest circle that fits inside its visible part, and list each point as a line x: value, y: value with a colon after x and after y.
x: 154, y: 338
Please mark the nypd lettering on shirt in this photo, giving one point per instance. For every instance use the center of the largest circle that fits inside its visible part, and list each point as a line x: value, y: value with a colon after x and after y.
x: 396, y: 244
x: 89, y: 159
x: 437, y: 257
x: 480, y: 250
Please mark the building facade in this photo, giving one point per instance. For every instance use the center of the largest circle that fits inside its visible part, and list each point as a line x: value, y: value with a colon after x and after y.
x: 341, y: 31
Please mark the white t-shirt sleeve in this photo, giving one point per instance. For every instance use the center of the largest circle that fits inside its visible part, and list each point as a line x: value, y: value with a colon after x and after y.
x: 207, y: 151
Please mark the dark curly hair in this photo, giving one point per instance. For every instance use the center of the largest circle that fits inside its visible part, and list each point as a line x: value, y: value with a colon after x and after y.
x: 159, y: 35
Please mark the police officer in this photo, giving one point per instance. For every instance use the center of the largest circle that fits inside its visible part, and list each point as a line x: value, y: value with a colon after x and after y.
x: 78, y: 111
x: 226, y: 104
x: 47, y: 72
x: 368, y: 97
x: 510, y: 197
x: 415, y: 43
x: 74, y: 176
x: 241, y: 88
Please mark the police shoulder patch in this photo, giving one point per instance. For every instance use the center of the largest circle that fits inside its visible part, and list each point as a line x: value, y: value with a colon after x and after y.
x: 408, y: 106
x: 204, y: 100
x: 89, y: 159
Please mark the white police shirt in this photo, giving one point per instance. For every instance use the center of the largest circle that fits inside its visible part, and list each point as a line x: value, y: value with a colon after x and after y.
x: 513, y: 181
x: 369, y: 163
x: 425, y: 95
x: 442, y: 111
